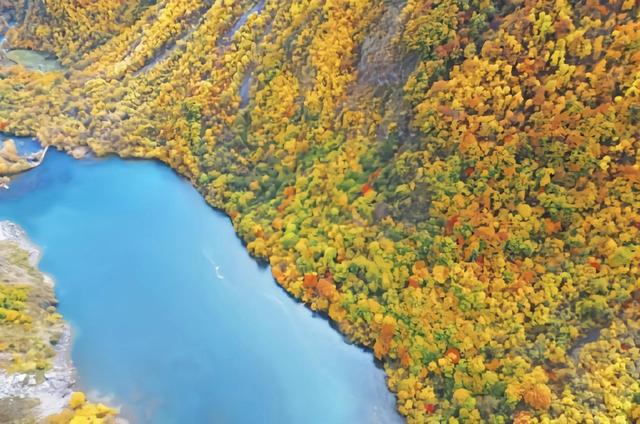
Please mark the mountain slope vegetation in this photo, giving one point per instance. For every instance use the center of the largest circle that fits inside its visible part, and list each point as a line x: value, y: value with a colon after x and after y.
x: 454, y: 183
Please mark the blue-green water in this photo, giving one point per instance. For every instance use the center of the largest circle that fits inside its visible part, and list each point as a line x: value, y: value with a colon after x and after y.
x: 172, y: 319
x: 24, y: 145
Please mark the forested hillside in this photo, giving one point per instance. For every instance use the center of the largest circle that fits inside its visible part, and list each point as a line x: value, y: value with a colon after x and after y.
x: 456, y: 184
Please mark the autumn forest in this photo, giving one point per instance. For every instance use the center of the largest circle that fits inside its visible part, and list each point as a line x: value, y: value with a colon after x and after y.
x: 455, y: 184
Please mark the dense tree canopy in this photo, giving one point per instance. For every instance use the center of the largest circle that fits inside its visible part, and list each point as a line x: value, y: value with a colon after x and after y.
x: 456, y: 184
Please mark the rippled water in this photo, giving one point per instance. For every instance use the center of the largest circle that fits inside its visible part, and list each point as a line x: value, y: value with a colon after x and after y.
x: 172, y: 319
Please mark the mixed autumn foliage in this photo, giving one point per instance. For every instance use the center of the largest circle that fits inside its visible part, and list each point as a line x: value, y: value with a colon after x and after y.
x: 456, y: 184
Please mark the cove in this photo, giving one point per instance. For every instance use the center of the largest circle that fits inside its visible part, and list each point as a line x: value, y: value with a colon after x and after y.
x: 172, y: 319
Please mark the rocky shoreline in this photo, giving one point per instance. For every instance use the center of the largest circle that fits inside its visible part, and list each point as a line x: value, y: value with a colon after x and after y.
x: 35, y: 393
x: 13, y: 163
x: 53, y: 393
x: 13, y: 233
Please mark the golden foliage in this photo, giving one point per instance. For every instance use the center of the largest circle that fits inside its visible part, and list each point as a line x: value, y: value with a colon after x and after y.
x: 455, y: 183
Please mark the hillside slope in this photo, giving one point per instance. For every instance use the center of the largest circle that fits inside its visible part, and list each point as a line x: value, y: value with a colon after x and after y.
x: 454, y: 183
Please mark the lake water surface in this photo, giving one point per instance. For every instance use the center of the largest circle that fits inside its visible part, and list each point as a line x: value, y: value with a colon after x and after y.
x: 172, y: 319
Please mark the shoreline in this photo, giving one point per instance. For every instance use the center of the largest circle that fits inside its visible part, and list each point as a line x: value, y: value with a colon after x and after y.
x: 52, y: 390
x: 85, y: 152
x: 13, y: 163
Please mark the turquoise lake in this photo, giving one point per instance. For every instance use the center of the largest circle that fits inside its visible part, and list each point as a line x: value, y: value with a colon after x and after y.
x: 173, y: 321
